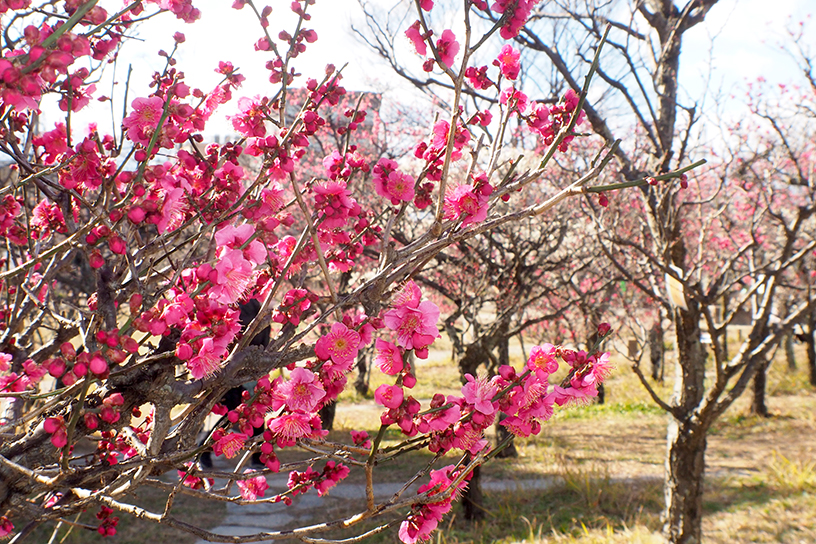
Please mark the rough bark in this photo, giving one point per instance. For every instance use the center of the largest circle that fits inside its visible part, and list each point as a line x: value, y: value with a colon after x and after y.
x: 790, y: 356
x: 810, y: 343
x: 686, y: 437
x: 758, y: 405
x: 327, y: 414
x: 657, y: 353
x: 361, y: 383
x: 685, y: 469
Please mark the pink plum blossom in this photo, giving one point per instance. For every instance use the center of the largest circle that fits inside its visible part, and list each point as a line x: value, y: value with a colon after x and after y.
x: 340, y: 345
x: 542, y: 360
x: 415, y: 35
x: 463, y: 202
x: 253, y: 488
x: 229, y: 445
x: 388, y: 357
x: 291, y: 426
x: 303, y: 391
x: 390, y: 396
x: 415, y: 327
x: 236, y: 237
x: 447, y: 47
x: 233, y: 275
x: 143, y: 119
x: 508, y: 61
x: 207, y: 361
x: 479, y: 393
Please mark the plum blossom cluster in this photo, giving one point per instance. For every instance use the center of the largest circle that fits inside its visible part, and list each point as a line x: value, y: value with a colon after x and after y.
x: 525, y: 398
x: 171, y: 237
x: 425, y: 517
x: 469, y: 202
x: 548, y: 122
x: 432, y: 152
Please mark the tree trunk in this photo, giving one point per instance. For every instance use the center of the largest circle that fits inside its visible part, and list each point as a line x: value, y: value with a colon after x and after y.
x: 361, y: 383
x: 327, y: 414
x: 685, y: 468
x: 473, y: 500
x: 758, y: 406
x: 790, y: 356
x: 501, y: 435
x: 686, y: 436
x: 810, y: 342
x: 657, y: 353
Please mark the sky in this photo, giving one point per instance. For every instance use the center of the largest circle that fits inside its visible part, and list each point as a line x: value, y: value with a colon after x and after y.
x: 738, y: 42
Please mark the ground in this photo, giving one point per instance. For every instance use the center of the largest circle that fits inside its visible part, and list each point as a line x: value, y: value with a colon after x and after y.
x: 594, y: 474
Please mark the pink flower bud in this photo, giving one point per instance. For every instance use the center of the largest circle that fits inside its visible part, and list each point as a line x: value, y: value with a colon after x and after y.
x: 91, y: 421
x: 69, y: 378
x: 130, y: 345
x: 135, y: 303
x: 68, y: 351
x: 409, y: 380
x: 136, y: 214
x: 53, y: 424
x: 108, y: 414
x: 95, y: 259
x: 184, y: 351
x: 116, y: 355
x: 115, y: 399
x: 56, y: 368
x: 117, y: 245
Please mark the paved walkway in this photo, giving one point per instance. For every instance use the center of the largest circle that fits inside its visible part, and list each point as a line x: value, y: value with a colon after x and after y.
x: 306, y: 508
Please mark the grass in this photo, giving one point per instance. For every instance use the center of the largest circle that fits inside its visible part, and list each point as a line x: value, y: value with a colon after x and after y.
x: 609, y: 462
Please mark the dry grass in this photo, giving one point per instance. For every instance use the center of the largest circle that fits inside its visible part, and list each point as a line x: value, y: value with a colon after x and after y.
x: 760, y: 471
x: 204, y: 514
x: 761, y: 474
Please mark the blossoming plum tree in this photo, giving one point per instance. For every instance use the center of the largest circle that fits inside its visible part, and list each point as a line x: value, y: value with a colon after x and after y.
x: 660, y: 231
x: 128, y: 255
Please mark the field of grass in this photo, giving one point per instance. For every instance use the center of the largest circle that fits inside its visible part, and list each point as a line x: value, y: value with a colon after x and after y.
x: 608, y: 460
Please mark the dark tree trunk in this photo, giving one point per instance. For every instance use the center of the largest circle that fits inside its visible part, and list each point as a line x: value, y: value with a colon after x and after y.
x: 686, y: 437
x: 810, y: 342
x: 657, y: 353
x: 789, y: 353
x: 473, y: 500
x: 685, y: 468
x: 327, y: 414
x: 758, y: 406
x: 502, y: 434
x: 361, y: 383
x: 601, y: 393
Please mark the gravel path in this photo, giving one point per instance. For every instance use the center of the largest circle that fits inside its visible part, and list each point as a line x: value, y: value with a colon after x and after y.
x: 306, y: 508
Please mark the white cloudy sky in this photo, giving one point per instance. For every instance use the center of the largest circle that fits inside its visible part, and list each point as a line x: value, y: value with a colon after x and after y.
x: 746, y: 35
